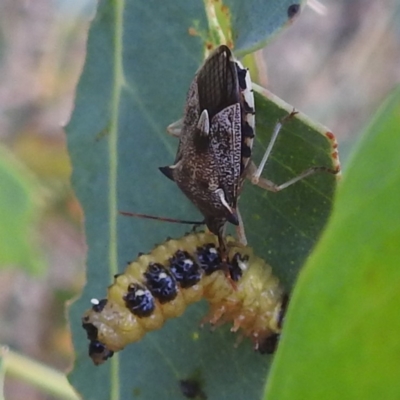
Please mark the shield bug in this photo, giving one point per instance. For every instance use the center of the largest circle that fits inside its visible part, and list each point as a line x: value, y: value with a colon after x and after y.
x: 215, y: 140
x: 215, y: 143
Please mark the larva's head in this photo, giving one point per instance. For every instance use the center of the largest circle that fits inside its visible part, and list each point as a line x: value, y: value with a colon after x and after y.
x: 98, y: 352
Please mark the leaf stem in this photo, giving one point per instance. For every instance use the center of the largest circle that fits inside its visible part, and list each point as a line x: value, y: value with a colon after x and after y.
x: 2, y: 376
x: 38, y: 374
x: 118, y: 82
x: 213, y: 24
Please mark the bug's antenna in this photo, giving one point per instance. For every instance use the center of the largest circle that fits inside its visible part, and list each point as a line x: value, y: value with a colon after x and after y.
x: 164, y: 219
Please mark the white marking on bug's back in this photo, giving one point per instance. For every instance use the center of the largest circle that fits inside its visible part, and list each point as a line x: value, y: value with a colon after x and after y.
x: 95, y: 302
x: 163, y: 275
x: 247, y: 91
x: 221, y: 195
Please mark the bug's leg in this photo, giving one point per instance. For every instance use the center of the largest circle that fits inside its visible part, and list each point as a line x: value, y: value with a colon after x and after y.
x: 240, y: 231
x: 175, y: 128
x: 222, y: 247
x: 255, y: 176
x: 254, y: 173
x: 273, y: 187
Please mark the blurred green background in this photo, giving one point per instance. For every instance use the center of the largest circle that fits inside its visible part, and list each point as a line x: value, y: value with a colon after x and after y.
x: 336, y: 63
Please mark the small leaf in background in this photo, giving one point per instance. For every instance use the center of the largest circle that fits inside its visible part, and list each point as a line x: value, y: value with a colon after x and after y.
x: 254, y: 21
x: 341, y: 335
x: 134, y: 84
x: 18, y: 214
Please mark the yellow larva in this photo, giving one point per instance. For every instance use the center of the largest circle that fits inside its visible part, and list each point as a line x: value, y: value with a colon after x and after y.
x: 160, y: 285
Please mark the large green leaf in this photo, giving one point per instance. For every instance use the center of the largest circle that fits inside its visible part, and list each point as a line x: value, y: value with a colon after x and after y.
x: 341, y: 337
x: 140, y: 62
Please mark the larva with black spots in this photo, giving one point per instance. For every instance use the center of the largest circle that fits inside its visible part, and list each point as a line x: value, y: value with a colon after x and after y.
x: 160, y: 285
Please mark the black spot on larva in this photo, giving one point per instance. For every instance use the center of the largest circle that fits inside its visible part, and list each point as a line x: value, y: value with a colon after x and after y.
x: 139, y: 300
x: 191, y: 389
x: 234, y: 268
x: 99, y: 306
x: 139, y: 254
x: 91, y: 331
x: 161, y: 282
x: 247, y: 130
x: 209, y: 258
x: 117, y: 275
x: 241, y: 73
x: 282, y: 311
x: 293, y: 10
x: 98, y: 352
x: 185, y: 270
x: 269, y: 344
x: 246, y: 151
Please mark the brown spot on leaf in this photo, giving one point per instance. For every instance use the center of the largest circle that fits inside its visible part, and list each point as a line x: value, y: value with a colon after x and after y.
x: 330, y: 135
x: 193, y: 32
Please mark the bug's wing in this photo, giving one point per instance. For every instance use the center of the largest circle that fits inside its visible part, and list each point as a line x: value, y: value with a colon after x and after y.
x: 219, y: 93
x: 214, y: 88
x: 225, y: 136
x: 217, y: 82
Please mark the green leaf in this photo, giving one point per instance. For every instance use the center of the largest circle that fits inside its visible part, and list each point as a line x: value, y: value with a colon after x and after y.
x: 283, y: 227
x: 140, y: 63
x: 254, y: 21
x: 341, y: 335
x: 18, y: 215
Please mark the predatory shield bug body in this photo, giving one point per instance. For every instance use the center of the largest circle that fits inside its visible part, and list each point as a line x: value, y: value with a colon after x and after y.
x: 215, y: 143
x: 215, y: 140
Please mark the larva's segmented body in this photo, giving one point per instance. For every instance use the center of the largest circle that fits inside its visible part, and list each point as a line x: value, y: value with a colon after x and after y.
x: 161, y: 284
